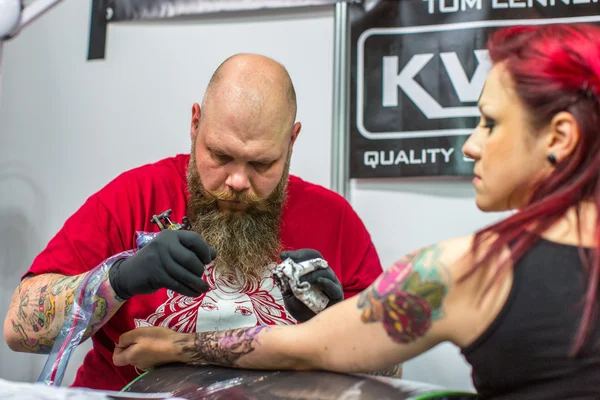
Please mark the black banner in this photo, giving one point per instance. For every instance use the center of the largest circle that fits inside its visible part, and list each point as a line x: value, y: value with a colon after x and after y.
x: 417, y: 69
x: 108, y: 11
x: 156, y: 9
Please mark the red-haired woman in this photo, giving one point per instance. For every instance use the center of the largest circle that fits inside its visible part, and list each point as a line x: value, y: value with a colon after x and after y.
x: 520, y: 298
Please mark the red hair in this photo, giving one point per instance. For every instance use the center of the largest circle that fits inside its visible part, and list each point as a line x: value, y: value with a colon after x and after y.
x: 554, y: 68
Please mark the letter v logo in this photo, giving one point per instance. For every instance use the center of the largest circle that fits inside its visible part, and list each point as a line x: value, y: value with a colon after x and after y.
x: 467, y: 91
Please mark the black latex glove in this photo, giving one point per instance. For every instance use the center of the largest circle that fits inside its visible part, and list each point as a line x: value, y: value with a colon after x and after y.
x: 173, y: 260
x: 325, y: 279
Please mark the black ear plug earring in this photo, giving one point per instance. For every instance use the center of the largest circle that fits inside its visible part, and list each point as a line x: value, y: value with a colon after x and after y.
x: 552, y: 159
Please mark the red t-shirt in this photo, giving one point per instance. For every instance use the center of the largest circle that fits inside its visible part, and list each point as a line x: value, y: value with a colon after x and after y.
x: 106, y: 224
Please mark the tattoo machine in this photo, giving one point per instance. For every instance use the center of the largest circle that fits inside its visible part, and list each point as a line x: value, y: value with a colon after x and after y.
x: 287, y: 276
x: 163, y: 220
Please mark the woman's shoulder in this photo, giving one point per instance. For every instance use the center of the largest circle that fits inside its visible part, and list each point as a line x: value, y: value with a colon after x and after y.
x: 465, y: 252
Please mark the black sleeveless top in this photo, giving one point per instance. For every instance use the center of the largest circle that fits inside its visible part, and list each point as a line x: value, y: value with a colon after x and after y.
x: 524, y: 354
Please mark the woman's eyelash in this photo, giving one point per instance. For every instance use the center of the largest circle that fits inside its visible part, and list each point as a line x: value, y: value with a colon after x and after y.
x: 489, y: 124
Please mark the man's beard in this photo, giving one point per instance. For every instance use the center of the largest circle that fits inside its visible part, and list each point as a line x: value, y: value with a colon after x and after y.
x: 246, y: 242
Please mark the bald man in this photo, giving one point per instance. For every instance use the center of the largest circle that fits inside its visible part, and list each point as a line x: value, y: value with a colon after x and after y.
x: 246, y: 214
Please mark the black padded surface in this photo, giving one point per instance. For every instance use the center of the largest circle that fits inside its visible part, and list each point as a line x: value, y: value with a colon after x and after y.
x: 214, y: 383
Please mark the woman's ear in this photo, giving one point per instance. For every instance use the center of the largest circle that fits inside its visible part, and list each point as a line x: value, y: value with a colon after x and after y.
x: 563, y: 136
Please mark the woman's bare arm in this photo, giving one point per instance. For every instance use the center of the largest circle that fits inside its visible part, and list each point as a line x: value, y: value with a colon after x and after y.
x: 405, y: 312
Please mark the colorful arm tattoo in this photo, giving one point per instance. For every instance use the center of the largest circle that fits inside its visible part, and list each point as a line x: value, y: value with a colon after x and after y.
x: 408, y: 296
x: 44, y: 302
x: 220, y: 348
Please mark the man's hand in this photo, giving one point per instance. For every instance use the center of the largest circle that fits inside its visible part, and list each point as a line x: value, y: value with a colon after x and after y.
x: 148, y: 347
x: 173, y: 260
x: 325, y: 279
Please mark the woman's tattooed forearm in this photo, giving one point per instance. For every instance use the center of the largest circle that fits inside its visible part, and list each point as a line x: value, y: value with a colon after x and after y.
x: 393, y: 371
x: 408, y: 296
x: 221, y: 348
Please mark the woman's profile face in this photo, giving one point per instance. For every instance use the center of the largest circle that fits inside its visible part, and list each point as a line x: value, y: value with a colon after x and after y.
x: 509, y: 156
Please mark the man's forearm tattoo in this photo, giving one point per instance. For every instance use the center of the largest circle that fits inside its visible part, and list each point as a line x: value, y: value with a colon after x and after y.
x: 222, y: 348
x: 43, y: 305
x: 408, y: 296
x: 33, y: 345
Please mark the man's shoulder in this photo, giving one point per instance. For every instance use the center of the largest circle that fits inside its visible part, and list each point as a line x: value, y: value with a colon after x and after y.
x: 305, y: 191
x: 170, y: 170
x: 166, y: 167
x: 307, y: 196
x: 157, y: 180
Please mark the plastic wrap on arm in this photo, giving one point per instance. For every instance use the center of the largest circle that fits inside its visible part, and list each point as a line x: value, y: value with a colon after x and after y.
x: 80, y: 313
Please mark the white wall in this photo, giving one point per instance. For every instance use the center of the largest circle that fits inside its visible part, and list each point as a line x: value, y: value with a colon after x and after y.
x: 68, y: 126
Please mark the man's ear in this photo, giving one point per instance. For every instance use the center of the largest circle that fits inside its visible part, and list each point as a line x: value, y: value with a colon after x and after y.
x: 196, y: 112
x: 295, y: 132
x: 563, y: 136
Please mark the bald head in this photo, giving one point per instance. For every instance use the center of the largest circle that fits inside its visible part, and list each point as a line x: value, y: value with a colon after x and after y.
x: 255, y: 83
